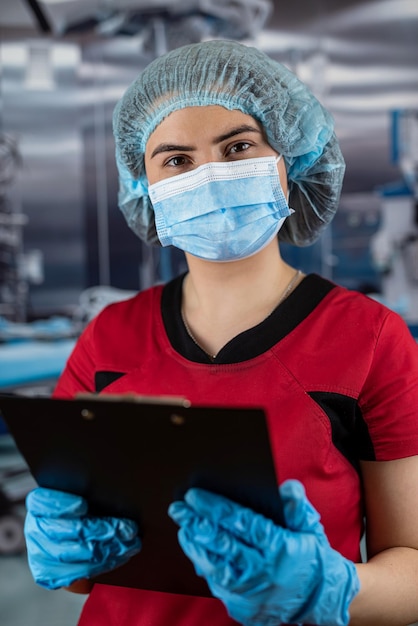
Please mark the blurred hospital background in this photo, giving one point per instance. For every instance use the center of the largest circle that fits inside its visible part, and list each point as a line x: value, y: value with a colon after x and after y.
x: 65, y: 250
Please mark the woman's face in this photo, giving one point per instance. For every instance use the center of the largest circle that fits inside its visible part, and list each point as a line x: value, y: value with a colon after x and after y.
x: 193, y: 136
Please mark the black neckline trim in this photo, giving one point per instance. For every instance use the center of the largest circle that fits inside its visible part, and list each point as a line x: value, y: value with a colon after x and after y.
x: 250, y: 343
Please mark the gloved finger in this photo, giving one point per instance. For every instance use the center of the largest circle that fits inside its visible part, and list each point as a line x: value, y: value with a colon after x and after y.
x: 187, y: 519
x: 300, y: 515
x: 83, y: 529
x: 109, y: 554
x: 204, y: 563
x: 222, y: 558
x: 55, y: 504
x: 180, y: 512
x: 71, y: 552
x: 252, y: 528
x: 195, y: 527
x: 41, y: 549
x: 52, y: 573
x: 105, y: 528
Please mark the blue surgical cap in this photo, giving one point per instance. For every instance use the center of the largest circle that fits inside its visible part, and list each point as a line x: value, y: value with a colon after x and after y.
x: 234, y: 76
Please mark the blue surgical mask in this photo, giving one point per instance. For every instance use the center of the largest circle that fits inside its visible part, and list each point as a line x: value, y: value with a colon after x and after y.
x: 221, y: 211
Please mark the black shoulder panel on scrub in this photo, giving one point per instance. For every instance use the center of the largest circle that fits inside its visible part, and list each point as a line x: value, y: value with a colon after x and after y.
x: 350, y: 433
x: 104, y: 379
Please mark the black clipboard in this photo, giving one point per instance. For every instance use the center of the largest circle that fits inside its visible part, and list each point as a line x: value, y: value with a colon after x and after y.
x: 133, y: 456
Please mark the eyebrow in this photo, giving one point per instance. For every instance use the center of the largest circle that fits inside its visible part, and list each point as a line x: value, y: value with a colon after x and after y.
x: 244, y: 128
x: 169, y: 147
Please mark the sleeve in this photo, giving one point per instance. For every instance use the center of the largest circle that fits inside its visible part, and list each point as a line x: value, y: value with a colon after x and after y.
x: 389, y: 398
x: 79, y: 372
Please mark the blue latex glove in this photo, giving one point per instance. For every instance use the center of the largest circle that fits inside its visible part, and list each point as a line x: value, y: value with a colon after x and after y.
x: 265, y: 574
x: 64, y: 544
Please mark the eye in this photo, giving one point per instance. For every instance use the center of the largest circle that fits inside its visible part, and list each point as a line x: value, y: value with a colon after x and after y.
x: 176, y: 161
x: 240, y: 146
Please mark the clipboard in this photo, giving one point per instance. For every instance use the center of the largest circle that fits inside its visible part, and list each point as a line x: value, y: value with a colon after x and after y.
x: 132, y: 456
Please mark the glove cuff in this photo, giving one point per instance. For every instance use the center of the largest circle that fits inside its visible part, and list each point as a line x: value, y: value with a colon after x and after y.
x: 337, y: 587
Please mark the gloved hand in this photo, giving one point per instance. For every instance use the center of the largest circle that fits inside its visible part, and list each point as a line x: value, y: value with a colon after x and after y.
x: 64, y: 544
x: 264, y: 574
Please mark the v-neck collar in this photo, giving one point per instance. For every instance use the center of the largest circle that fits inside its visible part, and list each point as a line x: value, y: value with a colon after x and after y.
x: 252, y: 342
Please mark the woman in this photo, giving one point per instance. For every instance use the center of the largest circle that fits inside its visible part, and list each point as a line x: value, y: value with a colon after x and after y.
x: 220, y: 152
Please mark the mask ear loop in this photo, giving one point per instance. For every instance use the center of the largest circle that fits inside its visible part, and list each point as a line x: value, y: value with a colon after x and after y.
x: 288, y: 191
